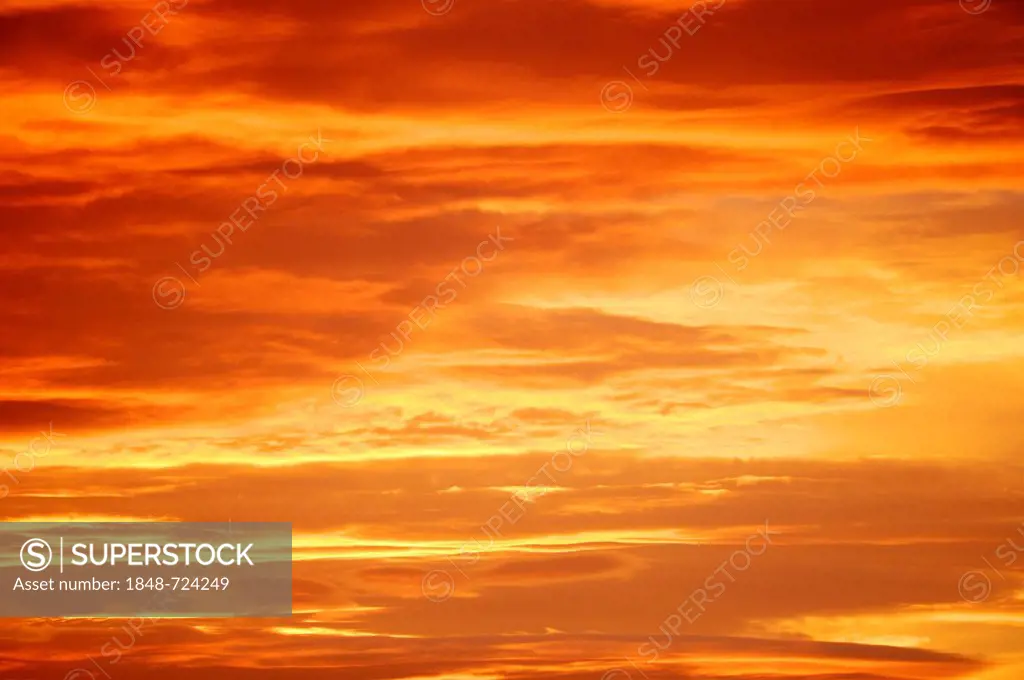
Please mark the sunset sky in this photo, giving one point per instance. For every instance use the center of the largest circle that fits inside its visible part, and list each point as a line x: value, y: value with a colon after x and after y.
x: 528, y: 315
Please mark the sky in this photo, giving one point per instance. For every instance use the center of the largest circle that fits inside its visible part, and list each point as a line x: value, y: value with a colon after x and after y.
x: 577, y: 339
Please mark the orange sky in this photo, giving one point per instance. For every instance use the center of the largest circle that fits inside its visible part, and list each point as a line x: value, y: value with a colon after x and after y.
x: 539, y: 331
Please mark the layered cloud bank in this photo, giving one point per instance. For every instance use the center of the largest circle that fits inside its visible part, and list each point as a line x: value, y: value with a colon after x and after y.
x: 529, y: 316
